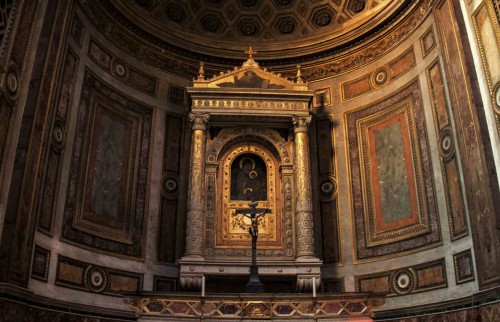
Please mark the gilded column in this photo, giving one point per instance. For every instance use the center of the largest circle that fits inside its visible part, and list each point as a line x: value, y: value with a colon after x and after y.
x: 195, y: 206
x: 303, y: 193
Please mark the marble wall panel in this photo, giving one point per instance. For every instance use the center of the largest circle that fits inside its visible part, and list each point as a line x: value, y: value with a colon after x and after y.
x: 75, y: 274
x: 487, y: 30
x: 50, y: 186
x: 464, y: 269
x: 407, y: 280
x: 326, y: 189
x: 332, y: 285
x: 479, y: 172
x: 170, y: 237
x: 8, y: 12
x: 377, y: 283
x: 396, y: 228
x: 105, y: 206
x: 485, y: 313
x: 427, y: 42
x: 164, y: 284
x: 77, y: 30
x: 380, y: 77
x: 176, y: 95
x: 431, y: 275
x: 448, y: 161
x: 356, y: 88
x: 16, y: 246
x: 121, y: 70
x: 40, y: 264
x: 15, y: 311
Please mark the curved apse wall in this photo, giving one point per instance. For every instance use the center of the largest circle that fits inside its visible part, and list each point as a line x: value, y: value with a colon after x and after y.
x: 390, y: 99
x: 119, y: 129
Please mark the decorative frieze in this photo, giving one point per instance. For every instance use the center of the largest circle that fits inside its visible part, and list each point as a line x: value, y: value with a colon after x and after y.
x: 230, y: 104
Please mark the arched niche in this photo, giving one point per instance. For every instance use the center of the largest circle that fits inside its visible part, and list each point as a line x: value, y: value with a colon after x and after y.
x: 263, y: 152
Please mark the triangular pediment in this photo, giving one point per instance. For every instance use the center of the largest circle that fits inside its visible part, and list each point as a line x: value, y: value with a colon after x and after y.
x: 249, y: 76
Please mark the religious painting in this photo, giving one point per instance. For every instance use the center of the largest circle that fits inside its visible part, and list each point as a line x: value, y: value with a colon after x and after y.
x: 390, y: 164
x: 248, y: 178
x: 248, y: 79
x: 105, y: 206
x: 394, y: 204
x: 249, y: 172
x: 246, y: 163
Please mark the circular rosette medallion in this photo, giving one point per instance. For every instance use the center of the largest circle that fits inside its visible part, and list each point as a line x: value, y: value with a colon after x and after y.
x: 327, y: 188
x: 380, y: 76
x: 403, y: 281
x: 496, y: 98
x: 12, y: 81
x: 170, y: 185
x: 446, y: 144
x: 119, y: 69
x: 58, y: 135
x: 96, y: 279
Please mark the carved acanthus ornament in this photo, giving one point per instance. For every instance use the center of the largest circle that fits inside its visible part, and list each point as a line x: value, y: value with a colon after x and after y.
x: 301, y: 123
x: 199, y: 121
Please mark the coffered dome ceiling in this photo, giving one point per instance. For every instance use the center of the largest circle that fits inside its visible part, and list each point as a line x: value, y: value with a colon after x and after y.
x: 276, y: 28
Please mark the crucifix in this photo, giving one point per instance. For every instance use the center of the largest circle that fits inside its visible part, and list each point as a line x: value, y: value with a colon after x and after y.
x: 250, y: 52
x: 254, y: 285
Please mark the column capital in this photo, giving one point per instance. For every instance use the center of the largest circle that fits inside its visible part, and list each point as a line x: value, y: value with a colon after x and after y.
x: 301, y: 123
x: 199, y: 121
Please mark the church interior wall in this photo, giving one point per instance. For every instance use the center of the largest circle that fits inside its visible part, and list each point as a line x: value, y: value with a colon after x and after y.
x: 161, y: 95
x: 71, y: 259
x: 357, y: 273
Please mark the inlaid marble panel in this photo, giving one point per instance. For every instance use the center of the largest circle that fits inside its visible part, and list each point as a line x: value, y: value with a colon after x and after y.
x: 105, y: 206
x: 393, y: 201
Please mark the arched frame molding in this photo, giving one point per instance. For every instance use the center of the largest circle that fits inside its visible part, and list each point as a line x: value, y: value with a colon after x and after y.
x: 278, y: 240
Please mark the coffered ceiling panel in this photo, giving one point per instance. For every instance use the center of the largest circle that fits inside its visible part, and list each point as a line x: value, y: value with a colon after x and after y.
x: 225, y: 28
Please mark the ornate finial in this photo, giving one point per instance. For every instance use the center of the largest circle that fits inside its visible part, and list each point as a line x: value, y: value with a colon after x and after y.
x: 299, y: 75
x: 201, y: 71
x: 250, y: 52
x: 250, y: 61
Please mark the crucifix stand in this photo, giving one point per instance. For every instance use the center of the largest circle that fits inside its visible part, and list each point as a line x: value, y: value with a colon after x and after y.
x: 254, y: 285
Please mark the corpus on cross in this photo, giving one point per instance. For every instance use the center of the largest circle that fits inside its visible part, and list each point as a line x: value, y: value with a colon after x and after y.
x: 254, y: 285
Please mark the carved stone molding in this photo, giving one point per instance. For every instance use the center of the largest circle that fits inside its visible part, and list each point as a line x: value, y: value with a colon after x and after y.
x: 301, y: 123
x: 199, y: 121
x: 191, y: 283
x: 229, y: 135
x: 305, y: 283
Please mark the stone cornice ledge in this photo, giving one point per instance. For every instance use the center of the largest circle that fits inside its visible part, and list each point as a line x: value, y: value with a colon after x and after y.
x: 482, y: 298
x: 22, y: 296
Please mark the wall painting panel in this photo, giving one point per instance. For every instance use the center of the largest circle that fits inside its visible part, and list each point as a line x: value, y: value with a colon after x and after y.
x: 105, y: 205
x: 393, y: 201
